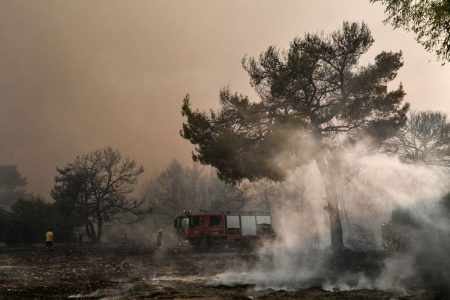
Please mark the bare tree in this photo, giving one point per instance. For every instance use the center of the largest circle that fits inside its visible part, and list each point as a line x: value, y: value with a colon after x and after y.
x: 96, y: 186
x: 266, y: 192
x: 167, y: 193
x: 178, y: 188
x: 425, y: 138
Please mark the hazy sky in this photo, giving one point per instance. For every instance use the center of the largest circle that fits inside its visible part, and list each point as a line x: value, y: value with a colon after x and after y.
x: 79, y: 75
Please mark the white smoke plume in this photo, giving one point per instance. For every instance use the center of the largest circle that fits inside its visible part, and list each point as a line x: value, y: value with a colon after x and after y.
x: 371, y: 186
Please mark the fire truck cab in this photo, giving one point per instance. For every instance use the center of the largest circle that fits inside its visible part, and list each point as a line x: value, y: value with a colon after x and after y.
x: 205, y: 229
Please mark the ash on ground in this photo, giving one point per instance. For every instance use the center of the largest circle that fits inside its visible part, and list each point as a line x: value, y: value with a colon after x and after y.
x: 93, y: 272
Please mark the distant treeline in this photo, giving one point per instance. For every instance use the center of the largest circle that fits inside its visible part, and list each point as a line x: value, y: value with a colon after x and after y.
x: 24, y: 218
x: 30, y: 218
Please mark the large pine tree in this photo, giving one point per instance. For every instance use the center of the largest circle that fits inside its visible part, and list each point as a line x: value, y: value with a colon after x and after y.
x: 315, y: 87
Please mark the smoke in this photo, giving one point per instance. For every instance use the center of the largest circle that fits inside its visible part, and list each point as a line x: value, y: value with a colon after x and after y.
x: 424, y: 263
x: 142, y: 234
x: 371, y: 186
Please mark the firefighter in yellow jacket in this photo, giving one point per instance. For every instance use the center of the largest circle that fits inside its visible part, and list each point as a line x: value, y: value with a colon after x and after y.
x: 49, y: 239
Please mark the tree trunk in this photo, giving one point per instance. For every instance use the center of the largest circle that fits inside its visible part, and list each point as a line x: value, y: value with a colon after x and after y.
x: 330, y: 173
x: 99, y: 230
x: 90, y: 231
x: 98, y: 214
x: 337, y: 239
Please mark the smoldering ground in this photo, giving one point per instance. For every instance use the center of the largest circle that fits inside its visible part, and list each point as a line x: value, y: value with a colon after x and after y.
x: 373, y: 189
x: 372, y: 186
x: 424, y: 263
x: 299, y: 264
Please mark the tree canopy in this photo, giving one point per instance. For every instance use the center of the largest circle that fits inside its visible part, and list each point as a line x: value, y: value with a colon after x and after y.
x: 315, y: 86
x: 308, y: 93
x: 12, y: 185
x: 30, y: 217
x: 428, y: 19
x: 424, y: 139
x: 95, y: 187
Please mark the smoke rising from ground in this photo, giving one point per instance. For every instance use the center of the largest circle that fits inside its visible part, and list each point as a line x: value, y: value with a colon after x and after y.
x: 371, y: 186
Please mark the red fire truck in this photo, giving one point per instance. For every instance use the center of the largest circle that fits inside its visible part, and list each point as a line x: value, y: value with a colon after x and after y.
x: 205, y: 229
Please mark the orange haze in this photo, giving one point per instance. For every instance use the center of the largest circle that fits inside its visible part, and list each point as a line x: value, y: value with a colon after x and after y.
x: 78, y: 75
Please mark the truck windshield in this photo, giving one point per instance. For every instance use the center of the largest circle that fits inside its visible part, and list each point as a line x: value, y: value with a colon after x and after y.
x: 182, y: 223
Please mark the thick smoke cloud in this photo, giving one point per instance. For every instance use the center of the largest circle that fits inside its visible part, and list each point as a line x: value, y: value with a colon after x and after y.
x: 372, y: 186
x: 80, y: 75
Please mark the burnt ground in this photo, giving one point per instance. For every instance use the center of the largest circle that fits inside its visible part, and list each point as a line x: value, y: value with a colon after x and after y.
x: 74, y: 272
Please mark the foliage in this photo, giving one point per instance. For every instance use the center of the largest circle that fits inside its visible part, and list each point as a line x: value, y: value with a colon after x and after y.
x: 30, y: 218
x: 5, y: 224
x: 428, y: 19
x: 445, y: 202
x: 95, y: 187
x: 12, y: 185
x: 425, y: 138
x: 315, y: 86
x: 311, y: 92
x: 34, y: 216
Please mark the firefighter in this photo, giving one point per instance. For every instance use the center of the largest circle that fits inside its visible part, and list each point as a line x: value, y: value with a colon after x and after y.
x: 159, y: 238
x: 49, y: 240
